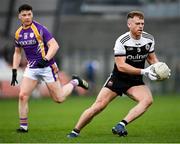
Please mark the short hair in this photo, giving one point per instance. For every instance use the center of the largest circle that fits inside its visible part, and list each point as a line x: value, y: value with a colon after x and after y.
x: 132, y: 14
x: 24, y: 7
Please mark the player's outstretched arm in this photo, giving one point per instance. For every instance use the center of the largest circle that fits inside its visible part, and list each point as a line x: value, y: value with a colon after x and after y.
x: 16, y: 62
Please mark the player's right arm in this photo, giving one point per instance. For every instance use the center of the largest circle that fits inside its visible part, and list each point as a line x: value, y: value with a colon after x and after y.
x: 125, y: 67
x: 120, y: 59
x: 16, y: 57
x: 17, y: 51
x: 16, y: 62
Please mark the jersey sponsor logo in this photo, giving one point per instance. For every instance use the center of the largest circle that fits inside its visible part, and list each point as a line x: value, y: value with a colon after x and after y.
x: 147, y: 47
x: 25, y: 35
x: 27, y: 42
x: 137, y: 57
x: 31, y: 35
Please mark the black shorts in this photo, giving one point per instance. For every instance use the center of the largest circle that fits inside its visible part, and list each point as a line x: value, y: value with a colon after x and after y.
x: 120, y: 85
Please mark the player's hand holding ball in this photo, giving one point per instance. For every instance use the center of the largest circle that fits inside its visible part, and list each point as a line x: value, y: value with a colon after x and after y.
x: 148, y: 72
x: 162, y: 70
x: 157, y: 72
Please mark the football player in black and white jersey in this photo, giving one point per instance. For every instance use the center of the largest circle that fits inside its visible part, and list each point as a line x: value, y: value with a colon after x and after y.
x: 131, y: 50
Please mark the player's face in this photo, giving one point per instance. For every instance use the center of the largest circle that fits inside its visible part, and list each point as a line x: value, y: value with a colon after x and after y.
x: 136, y: 26
x: 26, y: 17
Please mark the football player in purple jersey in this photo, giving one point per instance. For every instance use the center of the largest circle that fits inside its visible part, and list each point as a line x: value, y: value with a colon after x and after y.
x: 40, y: 47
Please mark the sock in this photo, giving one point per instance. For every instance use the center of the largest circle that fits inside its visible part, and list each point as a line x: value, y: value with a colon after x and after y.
x: 123, y: 122
x: 74, y: 82
x: 76, y: 131
x: 24, y: 123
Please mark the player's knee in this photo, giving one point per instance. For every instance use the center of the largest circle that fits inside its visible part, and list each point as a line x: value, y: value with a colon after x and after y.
x: 23, y: 96
x: 98, y: 107
x: 59, y: 99
x: 148, y: 102
x: 92, y: 111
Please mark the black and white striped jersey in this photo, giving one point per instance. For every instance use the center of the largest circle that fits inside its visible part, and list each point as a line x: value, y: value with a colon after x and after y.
x: 135, y: 51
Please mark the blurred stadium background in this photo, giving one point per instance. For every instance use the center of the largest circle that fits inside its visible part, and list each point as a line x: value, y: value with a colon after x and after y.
x: 86, y: 31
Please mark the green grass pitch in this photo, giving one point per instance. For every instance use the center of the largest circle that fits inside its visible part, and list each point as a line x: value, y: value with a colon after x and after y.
x: 50, y: 122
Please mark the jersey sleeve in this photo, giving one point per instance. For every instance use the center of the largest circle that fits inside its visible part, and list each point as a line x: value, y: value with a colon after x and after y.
x: 119, y: 49
x: 16, y: 43
x: 152, y: 47
x: 46, y: 34
x: 16, y: 37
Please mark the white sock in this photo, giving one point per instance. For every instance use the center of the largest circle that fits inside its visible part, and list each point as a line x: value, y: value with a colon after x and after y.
x: 24, y: 127
x: 74, y: 82
x: 122, y: 124
x: 74, y: 132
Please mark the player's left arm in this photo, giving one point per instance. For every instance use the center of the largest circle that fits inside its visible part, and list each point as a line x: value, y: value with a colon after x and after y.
x: 152, y: 58
x: 52, y: 48
x: 51, y: 43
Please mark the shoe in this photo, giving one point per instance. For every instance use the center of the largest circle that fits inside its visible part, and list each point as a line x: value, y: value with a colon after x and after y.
x: 120, y: 130
x: 21, y: 130
x: 72, y: 135
x: 82, y: 83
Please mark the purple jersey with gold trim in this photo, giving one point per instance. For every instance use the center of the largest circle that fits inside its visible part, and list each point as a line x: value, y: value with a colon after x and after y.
x: 34, y: 50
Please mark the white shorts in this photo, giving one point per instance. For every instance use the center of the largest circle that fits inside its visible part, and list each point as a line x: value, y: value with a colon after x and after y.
x: 47, y: 74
